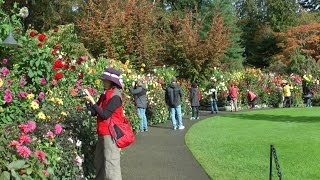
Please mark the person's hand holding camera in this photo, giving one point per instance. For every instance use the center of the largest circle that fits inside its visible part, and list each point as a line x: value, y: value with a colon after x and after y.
x: 88, y: 97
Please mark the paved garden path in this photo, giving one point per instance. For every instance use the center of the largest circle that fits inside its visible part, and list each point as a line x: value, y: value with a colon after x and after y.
x: 162, y: 153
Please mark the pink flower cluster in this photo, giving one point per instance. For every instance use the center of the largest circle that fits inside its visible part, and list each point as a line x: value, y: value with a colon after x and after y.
x: 5, y: 71
x: 27, y: 127
x: 7, y: 96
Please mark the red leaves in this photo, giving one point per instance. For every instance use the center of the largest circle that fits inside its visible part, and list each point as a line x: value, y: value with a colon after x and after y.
x: 304, y: 37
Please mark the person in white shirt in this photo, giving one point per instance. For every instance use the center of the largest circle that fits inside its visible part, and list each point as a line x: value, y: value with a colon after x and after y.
x: 213, y: 94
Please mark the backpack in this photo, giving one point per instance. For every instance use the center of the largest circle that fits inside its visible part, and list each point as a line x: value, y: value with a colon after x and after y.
x: 121, y: 132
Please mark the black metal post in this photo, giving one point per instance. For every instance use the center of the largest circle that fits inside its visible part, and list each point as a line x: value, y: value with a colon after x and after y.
x: 270, y: 172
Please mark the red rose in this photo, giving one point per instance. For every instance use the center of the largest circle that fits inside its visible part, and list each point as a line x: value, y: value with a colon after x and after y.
x: 41, y: 37
x: 58, y: 76
x: 40, y: 45
x: 33, y: 34
x: 66, y: 66
x: 57, y: 64
x: 56, y: 29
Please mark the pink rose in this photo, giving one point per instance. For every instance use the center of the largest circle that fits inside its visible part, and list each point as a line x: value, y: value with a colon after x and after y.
x: 45, y: 172
x: 41, y: 95
x: 4, y: 61
x: 23, y: 151
x: 7, y: 96
x: 54, y: 82
x: 57, y: 129
x: 5, y: 71
x: 50, y: 135
x: 43, y: 81
x: 22, y: 95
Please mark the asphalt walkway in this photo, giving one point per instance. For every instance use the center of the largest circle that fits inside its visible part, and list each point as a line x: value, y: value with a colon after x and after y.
x: 161, y: 154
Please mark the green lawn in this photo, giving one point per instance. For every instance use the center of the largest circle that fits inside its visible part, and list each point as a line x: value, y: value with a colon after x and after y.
x: 237, y: 146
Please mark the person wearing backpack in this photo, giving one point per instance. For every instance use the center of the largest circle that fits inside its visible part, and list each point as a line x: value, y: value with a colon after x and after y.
x: 140, y: 97
x: 173, y: 97
x: 195, y: 97
x: 213, y: 93
x: 109, y: 110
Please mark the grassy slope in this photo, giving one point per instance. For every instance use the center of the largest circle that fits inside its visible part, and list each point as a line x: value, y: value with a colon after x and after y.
x: 237, y: 146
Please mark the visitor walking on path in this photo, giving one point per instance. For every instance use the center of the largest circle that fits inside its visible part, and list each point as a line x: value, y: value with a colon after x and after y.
x: 252, y: 97
x: 173, y: 100
x: 141, y: 103
x: 109, y: 105
x: 213, y: 94
x: 234, y: 91
x: 195, y: 97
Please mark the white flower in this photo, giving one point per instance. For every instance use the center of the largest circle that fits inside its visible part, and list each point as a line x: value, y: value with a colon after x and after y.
x: 24, y: 12
x: 78, y: 144
x: 78, y: 160
x: 70, y: 140
x: 60, y: 56
x: 155, y: 70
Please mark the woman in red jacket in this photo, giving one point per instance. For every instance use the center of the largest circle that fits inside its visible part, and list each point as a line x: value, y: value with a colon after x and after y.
x: 109, y: 105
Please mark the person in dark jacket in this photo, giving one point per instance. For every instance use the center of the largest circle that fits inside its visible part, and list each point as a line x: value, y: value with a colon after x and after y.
x: 141, y: 102
x: 195, y: 101
x: 173, y: 100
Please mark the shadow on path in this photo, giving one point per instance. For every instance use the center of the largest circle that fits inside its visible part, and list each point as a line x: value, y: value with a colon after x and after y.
x: 279, y: 118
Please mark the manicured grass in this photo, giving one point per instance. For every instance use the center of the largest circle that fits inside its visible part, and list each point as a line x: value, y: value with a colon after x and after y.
x: 237, y: 146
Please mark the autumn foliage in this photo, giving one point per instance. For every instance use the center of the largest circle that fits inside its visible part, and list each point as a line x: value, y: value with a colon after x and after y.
x: 305, y: 38
x: 144, y: 33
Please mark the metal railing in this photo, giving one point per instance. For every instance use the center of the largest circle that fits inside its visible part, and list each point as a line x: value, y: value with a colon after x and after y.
x: 273, y: 155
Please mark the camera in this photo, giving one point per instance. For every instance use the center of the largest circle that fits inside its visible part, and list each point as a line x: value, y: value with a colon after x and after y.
x: 82, y: 93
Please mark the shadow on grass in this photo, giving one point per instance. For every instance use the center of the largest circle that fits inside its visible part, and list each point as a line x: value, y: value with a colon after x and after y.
x: 276, y: 118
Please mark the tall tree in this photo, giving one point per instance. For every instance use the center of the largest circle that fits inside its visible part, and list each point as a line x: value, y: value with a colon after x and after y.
x: 233, y: 57
x: 45, y: 14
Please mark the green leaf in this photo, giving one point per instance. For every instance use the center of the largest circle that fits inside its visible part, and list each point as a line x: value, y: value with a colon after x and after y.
x: 15, y: 174
x: 29, y: 171
x: 16, y: 164
x: 30, y: 74
x: 25, y: 177
x: 37, y: 63
x: 5, y: 175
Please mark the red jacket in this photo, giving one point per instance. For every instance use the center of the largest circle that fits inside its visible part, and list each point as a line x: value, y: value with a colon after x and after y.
x: 117, y: 115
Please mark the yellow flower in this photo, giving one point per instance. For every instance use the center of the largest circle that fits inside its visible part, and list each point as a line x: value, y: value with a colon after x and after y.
x: 63, y: 114
x: 97, y: 82
x: 143, y: 65
x: 30, y: 96
x: 41, y: 115
x: 93, y: 71
x: 52, y: 99
x: 1, y: 82
x: 142, y: 70
x: 48, y: 117
x: 34, y: 105
x: 127, y: 62
x: 59, y: 101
